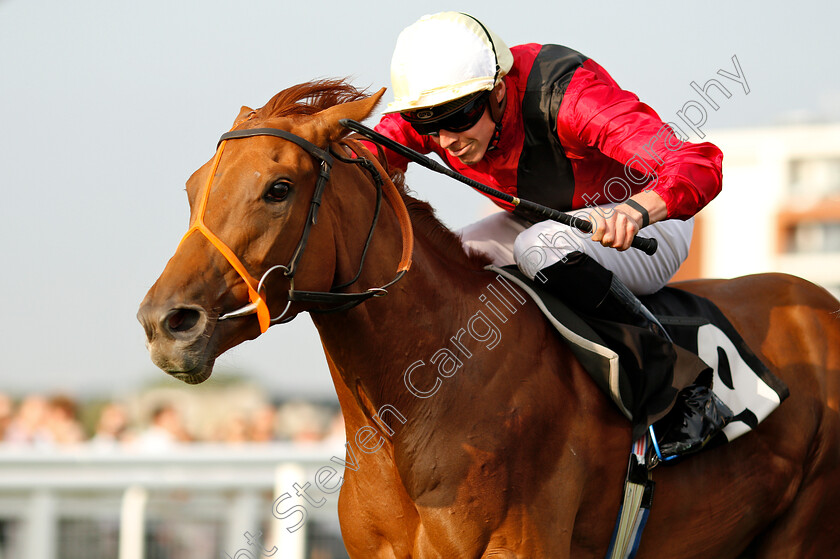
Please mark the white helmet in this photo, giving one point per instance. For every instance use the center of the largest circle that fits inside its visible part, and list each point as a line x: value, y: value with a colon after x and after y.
x: 443, y: 57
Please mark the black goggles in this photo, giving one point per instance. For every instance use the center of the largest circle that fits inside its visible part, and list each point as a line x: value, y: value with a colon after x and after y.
x: 455, y: 116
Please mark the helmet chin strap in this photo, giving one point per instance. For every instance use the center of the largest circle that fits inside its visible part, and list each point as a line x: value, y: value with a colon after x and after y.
x: 497, y: 110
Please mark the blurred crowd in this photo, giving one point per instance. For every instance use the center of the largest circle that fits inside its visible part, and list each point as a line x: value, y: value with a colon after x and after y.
x: 158, y: 422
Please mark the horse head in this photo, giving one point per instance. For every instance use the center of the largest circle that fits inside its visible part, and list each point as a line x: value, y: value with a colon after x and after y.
x: 253, y: 214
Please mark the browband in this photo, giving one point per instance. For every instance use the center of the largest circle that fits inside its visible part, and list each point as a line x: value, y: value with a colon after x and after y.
x: 321, y: 154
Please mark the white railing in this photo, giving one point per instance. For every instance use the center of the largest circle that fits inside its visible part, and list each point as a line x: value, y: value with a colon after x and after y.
x: 239, y: 487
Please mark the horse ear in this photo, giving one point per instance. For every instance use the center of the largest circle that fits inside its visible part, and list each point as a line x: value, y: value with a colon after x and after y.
x: 327, y: 123
x: 243, y: 114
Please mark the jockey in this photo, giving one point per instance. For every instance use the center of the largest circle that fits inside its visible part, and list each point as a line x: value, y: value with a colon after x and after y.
x: 547, y: 124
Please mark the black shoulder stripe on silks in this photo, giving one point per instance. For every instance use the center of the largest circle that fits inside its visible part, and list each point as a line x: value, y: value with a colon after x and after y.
x: 545, y: 174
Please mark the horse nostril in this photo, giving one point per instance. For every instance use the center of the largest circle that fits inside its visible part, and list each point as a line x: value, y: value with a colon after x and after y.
x: 182, y: 320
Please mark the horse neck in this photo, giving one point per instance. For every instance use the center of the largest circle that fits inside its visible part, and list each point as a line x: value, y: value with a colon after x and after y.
x: 372, y: 344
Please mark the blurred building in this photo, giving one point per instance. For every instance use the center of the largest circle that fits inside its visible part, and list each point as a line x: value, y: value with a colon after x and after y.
x: 780, y: 206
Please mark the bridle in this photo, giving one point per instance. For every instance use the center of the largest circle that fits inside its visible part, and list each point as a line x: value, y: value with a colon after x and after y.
x: 342, y: 301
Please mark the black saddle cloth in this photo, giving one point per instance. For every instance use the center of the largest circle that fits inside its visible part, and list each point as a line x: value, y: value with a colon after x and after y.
x: 644, y: 374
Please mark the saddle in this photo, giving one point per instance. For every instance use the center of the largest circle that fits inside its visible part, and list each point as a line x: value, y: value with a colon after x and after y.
x: 702, y: 389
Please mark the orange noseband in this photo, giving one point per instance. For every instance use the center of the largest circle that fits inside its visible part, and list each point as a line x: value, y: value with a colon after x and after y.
x: 263, y: 315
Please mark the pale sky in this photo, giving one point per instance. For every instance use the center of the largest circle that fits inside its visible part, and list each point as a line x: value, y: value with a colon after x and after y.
x: 108, y: 106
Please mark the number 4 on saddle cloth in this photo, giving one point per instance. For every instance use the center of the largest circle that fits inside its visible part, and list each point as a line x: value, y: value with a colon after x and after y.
x: 702, y: 388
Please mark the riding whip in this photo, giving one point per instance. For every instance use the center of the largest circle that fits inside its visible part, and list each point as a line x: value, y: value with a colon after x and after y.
x: 646, y: 245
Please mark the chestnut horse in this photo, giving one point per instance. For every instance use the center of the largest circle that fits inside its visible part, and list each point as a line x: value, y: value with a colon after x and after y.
x: 472, y: 433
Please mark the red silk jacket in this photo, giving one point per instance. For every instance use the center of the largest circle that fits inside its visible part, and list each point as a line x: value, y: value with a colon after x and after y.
x: 589, y: 142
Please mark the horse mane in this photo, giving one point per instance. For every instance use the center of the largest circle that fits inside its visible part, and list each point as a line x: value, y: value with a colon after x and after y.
x: 425, y: 221
x: 447, y: 242
x: 312, y: 97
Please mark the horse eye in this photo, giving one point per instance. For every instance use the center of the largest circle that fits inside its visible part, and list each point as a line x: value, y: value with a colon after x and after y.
x: 277, y: 192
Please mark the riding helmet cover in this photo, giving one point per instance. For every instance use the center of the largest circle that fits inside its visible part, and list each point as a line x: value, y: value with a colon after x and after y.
x: 443, y: 57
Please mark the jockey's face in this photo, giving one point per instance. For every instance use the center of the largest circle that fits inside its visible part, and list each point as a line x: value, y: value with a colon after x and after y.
x: 470, y: 145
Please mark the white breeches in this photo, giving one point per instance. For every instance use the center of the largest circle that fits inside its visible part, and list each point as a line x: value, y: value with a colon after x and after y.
x: 509, y: 240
